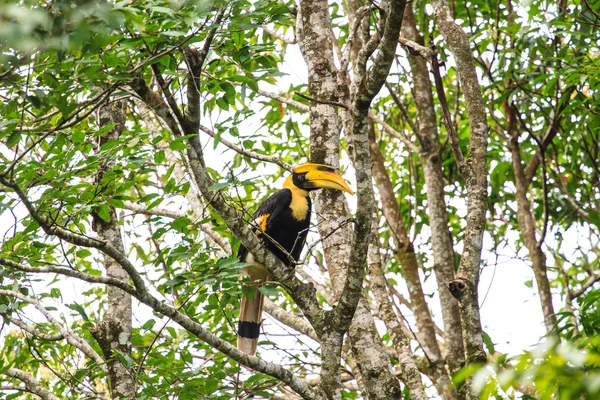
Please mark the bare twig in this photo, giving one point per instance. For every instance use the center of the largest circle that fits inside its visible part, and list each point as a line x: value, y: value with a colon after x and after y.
x: 331, y: 103
x: 398, y: 135
x: 248, y: 153
x: 416, y: 49
x: 278, y: 36
x: 447, y: 120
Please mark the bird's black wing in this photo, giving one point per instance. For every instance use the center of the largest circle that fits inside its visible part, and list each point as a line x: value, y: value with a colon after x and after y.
x: 272, y: 206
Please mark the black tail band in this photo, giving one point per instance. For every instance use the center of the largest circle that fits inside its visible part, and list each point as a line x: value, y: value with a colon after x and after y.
x: 249, y: 330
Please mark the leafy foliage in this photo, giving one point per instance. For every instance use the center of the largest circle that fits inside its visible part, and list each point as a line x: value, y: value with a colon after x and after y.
x: 61, y: 61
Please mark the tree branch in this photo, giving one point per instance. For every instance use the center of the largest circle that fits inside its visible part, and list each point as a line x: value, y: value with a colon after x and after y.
x: 392, y: 132
x: 71, y: 338
x: 29, y: 328
x: 248, y: 153
x: 33, y: 386
x: 141, y: 293
x: 441, y: 238
x: 410, y: 373
x: 416, y: 49
x: 464, y: 287
x: 195, y: 61
x: 447, y: 118
x: 588, y: 284
x: 278, y: 36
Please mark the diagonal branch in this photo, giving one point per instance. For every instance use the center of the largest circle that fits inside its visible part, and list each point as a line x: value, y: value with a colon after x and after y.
x: 386, y: 49
x: 410, y: 373
x: 53, y: 269
x: 393, y: 132
x: 52, y: 229
x: 447, y: 118
x: 71, y: 338
x: 184, y: 321
x: 32, y: 384
x: 195, y: 61
x: 247, y: 153
x: 31, y: 329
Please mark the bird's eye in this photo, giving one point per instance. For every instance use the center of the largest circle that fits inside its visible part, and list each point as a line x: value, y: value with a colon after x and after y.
x: 301, y: 177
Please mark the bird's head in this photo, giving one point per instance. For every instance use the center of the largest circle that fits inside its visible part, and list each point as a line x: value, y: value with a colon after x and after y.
x: 317, y: 176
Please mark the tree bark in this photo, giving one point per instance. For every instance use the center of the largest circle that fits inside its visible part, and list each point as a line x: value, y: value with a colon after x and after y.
x: 410, y: 373
x: 474, y: 171
x: 113, y: 333
x: 527, y: 223
x: 326, y: 84
x: 441, y: 239
x: 314, y: 38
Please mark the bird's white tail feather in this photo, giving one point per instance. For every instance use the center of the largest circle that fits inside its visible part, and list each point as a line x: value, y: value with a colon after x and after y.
x: 251, y: 311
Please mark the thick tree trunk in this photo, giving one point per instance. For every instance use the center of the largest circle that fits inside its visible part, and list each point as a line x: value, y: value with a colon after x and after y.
x: 113, y: 333
x: 474, y: 171
x: 441, y: 239
x: 314, y: 31
x: 411, y: 375
x: 526, y: 221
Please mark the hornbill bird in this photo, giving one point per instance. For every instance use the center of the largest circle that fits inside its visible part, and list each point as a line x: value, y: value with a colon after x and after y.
x: 283, y: 218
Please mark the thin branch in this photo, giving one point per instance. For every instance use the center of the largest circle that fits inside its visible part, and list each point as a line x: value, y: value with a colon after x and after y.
x: 403, y: 109
x: 102, y: 96
x: 248, y: 153
x: 416, y: 49
x: 359, y: 15
x: 195, y: 61
x: 447, y: 120
x: 71, y: 338
x: 398, y: 135
x: 52, y: 229
x: 29, y: 328
x: 53, y: 269
x: 323, y: 290
x: 588, y: 284
x: 278, y: 36
x: 157, y: 211
x: 544, y: 178
x: 331, y: 103
x: 163, y: 212
x: 184, y: 321
x: 33, y: 386
x: 292, y: 320
x: 390, y: 30
x: 285, y: 100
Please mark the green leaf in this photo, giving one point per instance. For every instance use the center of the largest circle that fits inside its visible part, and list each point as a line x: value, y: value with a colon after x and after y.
x: 248, y: 291
x: 487, y: 340
x: 35, y: 101
x: 148, y: 325
x: 103, y: 211
x: 181, y: 224
x: 116, y: 203
x: 160, y: 157
x: 218, y: 186
x: 78, y: 136
x: 79, y: 308
x: 210, y: 386
x: 178, y: 144
x: 13, y: 139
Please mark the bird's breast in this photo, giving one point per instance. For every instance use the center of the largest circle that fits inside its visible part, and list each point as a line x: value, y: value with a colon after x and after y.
x: 299, y: 204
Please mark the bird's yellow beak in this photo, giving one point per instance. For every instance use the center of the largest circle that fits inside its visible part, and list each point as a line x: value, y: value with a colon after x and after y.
x: 323, y: 176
